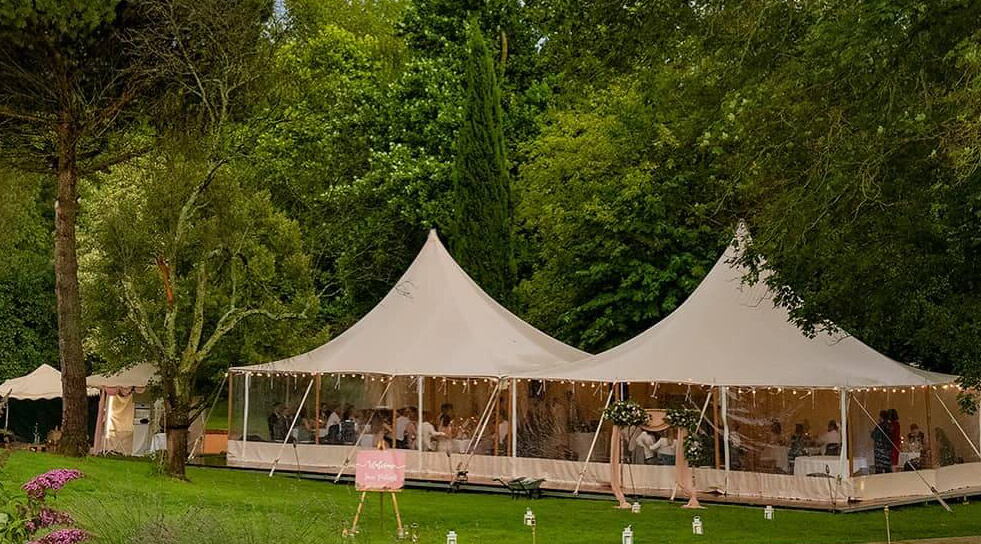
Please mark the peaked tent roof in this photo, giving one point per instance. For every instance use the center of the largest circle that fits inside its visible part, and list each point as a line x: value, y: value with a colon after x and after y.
x: 434, y: 322
x: 730, y: 333
x: 133, y: 377
x: 43, y: 383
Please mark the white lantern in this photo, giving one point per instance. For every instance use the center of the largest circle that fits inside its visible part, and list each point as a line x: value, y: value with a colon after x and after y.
x: 628, y: 535
x: 635, y: 507
x: 451, y: 537
x: 696, y: 525
x: 768, y: 513
x: 529, y: 518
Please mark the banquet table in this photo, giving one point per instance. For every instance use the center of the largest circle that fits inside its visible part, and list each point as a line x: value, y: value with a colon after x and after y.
x: 460, y: 445
x: 817, y: 464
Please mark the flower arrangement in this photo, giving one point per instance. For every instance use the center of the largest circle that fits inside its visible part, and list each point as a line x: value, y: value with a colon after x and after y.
x: 22, y: 518
x: 626, y: 413
x: 687, y: 419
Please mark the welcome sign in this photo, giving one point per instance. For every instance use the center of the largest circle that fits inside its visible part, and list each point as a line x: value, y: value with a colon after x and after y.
x: 379, y: 470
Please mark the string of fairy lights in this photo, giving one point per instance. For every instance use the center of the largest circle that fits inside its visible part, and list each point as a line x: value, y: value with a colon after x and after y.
x: 593, y: 384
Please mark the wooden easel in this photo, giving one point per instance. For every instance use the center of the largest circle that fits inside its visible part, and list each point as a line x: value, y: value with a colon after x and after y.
x: 381, y: 496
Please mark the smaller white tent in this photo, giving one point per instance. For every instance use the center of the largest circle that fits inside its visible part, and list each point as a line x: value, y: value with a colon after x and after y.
x: 43, y: 383
x: 128, y: 416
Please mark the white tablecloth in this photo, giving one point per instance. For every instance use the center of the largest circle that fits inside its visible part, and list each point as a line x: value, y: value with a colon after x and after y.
x: 817, y: 464
x: 159, y: 442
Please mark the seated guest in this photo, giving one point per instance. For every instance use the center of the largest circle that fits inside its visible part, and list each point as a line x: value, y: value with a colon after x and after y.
x: 445, y: 433
x: 831, y: 440
x: 412, y: 428
x: 277, y: 423
x: 332, y: 424
x: 349, y: 427
x: 776, y: 433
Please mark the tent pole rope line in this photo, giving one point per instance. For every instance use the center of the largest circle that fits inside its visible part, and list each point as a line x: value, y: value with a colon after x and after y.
x: 482, y: 423
x: 485, y: 419
x: 915, y: 470
x: 190, y: 454
x: 289, y: 433
x: 354, y: 448
x: 592, y: 445
x: 961, y: 429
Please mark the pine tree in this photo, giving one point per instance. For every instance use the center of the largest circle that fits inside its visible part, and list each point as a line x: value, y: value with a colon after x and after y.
x: 480, y: 238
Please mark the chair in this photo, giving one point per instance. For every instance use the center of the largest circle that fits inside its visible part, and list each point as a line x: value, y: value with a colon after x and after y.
x: 529, y: 487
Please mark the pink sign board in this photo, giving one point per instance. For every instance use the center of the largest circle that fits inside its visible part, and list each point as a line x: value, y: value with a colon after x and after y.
x: 379, y: 470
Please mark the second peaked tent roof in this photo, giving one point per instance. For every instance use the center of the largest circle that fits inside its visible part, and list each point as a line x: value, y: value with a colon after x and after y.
x: 731, y: 333
x: 435, y: 321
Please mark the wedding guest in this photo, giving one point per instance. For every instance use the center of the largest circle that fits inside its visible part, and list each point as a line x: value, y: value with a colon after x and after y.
x: 797, y: 443
x: 882, y: 448
x: 664, y: 448
x: 427, y: 433
x: 401, y: 424
x: 831, y: 439
x: 895, y: 436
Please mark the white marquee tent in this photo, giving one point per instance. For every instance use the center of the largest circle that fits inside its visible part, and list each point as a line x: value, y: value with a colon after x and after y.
x: 128, y: 416
x: 41, y: 384
x: 435, y: 322
x: 727, y: 347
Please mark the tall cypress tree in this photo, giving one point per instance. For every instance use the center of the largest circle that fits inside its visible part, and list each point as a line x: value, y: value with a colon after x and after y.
x: 481, y: 232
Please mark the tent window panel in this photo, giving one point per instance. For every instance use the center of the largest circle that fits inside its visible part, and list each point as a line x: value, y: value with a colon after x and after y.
x: 951, y: 446
x: 784, y: 430
x: 892, y: 430
x: 236, y: 424
x: 459, y: 415
x: 558, y: 420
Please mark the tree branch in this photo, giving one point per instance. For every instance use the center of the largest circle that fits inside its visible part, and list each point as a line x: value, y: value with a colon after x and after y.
x: 197, y: 325
x: 104, y: 165
x: 233, y: 317
x: 7, y: 112
x: 137, y: 313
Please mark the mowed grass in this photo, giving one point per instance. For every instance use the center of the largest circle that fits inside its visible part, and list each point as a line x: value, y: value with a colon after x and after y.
x: 118, y: 497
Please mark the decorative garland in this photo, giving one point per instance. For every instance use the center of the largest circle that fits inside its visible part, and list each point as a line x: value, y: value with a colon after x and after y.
x: 626, y: 413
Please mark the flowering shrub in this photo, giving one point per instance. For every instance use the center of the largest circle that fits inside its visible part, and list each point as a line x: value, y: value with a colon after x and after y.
x: 53, y: 480
x: 626, y: 413
x: 21, y: 518
x: 62, y: 536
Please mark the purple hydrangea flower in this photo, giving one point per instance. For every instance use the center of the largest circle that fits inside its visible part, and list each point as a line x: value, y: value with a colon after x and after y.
x: 53, y: 480
x: 63, y: 536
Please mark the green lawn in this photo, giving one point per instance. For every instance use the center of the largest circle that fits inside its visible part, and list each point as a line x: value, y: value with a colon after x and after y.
x: 122, y: 501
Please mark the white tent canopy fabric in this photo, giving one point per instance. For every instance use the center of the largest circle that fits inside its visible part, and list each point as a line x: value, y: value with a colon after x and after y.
x: 135, y: 377
x: 43, y: 383
x: 730, y: 333
x: 436, y: 321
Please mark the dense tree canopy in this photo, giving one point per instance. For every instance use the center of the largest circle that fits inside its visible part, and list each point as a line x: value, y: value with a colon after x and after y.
x: 635, y: 136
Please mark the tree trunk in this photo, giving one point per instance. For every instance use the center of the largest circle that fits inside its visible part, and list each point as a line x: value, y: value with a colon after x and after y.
x: 177, y: 425
x: 177, y: 399
x: 74, y: 418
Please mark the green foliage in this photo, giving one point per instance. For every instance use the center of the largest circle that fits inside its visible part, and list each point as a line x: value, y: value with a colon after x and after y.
x: 480, y: 237
x: 227, y: 249
x: 616, y: 215
x: 28, y: 335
